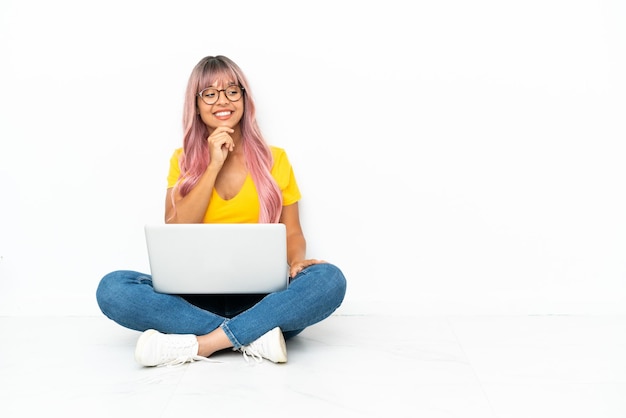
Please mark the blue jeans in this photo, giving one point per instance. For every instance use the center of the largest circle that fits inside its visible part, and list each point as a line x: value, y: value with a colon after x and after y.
x: 128, y: 298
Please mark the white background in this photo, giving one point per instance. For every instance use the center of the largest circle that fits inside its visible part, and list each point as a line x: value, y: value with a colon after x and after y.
x: 454, y: 156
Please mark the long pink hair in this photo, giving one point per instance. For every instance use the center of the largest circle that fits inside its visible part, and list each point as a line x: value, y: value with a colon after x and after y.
x: 195, y: 156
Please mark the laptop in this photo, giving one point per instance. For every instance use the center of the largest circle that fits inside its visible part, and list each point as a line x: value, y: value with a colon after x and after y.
x: 217, y: 258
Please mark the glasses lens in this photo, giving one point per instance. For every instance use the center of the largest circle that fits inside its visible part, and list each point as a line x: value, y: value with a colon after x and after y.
x: 211, y: 95
x: 233, y: 93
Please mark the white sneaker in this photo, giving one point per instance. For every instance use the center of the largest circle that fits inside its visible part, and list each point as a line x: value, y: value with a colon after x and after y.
x: 270, y: 346
x: 157, y: 349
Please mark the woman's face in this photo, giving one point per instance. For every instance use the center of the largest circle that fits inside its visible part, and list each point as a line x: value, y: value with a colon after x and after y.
x: 225, y: 108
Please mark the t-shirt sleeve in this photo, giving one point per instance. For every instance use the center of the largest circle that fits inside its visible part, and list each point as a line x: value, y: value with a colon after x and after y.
x: 174, y: 173
x: 283, y: 173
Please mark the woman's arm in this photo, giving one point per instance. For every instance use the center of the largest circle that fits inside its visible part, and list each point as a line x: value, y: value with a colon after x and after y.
x: 191, y: 208
x: 296, y: 243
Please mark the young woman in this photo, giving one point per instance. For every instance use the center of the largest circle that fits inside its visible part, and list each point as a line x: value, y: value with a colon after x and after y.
x: 225, y: 172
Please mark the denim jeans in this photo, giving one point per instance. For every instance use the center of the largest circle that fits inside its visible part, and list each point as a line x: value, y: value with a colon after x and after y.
x: 128, y: 298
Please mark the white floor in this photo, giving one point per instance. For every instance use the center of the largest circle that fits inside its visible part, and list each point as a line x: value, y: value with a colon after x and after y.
x: 346, y: 366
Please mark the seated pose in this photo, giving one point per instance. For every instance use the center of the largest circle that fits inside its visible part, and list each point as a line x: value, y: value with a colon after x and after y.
x: 225, y: 172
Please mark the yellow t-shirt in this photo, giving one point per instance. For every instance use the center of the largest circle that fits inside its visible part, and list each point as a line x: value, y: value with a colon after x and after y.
x: 244, y: 207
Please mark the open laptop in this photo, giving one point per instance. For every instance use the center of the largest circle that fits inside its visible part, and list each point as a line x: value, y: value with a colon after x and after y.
x: 217, y: 258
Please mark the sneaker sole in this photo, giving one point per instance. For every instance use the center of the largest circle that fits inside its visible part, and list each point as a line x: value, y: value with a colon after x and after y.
x: 145, y: 336
x: 283, y: 347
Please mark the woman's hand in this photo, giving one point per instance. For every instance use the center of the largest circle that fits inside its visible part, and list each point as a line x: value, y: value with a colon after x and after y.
x: 220, y: 144
x: 298, y: 266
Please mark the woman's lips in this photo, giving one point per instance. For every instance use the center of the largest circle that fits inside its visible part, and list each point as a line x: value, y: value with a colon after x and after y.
x: 224, y: 114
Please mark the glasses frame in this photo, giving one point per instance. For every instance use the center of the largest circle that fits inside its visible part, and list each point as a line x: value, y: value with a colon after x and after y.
x: 217, y: 98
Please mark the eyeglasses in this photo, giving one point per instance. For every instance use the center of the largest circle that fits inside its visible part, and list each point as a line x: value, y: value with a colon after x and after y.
x: 211, y: 95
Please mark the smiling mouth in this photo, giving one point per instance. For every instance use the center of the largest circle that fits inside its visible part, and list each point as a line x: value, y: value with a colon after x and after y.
x: 222, y: 114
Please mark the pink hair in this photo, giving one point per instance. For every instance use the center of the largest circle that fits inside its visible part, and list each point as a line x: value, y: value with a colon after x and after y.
x: 195, y: 156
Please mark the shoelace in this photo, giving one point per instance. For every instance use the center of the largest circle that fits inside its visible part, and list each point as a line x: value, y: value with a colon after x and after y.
x: 249, y: 352
x: 179, y: 361
x: 182, y: 354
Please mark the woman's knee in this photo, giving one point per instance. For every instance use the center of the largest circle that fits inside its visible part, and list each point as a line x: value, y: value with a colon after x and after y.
x: 110, y: 288
x: 334, y: 279
x: 334, y: 275
x: 106, y: 290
